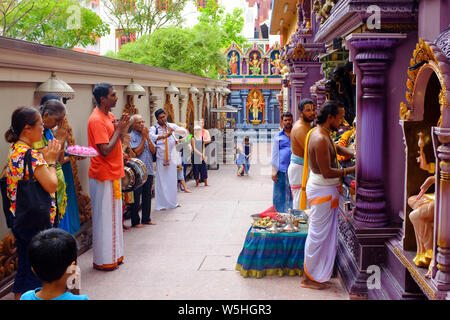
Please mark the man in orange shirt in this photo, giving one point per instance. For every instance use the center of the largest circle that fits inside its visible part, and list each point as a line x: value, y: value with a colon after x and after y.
x: 105, y: 173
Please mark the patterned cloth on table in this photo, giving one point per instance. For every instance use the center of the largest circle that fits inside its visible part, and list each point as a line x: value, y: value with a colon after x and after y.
x: 266, y: 254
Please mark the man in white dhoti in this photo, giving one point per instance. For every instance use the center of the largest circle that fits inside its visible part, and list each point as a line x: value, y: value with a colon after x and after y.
x: 322, y: 192
x: 166, y: 155
x: 299, y: 131
x: 105, y: 173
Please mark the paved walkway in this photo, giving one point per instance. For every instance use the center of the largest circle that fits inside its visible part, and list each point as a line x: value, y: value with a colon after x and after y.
x: 192, y: 251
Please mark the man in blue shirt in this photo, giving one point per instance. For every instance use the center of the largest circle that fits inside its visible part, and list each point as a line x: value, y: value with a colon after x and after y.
x: 281, y: 157
x: 143, y: 148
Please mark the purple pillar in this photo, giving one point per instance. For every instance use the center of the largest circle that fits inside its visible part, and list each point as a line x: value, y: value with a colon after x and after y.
x: 441, y: 273
x: 371, y: 55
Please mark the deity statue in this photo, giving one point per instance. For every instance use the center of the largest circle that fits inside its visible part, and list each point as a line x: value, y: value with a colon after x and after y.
x: 255, y: 105
x: 255, y: 64
x: 277, y: 66
x: 323, y: 10
x: 234, y: 63
x: 422, y: 216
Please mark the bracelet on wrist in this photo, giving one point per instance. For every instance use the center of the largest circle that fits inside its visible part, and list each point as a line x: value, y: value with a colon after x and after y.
x: 52, y: 165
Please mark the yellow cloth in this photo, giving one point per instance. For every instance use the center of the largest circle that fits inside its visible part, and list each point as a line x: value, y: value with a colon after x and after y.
x: 303, y: 199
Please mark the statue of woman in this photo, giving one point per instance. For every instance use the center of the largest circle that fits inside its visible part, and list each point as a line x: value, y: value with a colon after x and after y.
x: 233, y: 63
x: 255, y: 105
x: 422, y: 216
x: 255, y: 65
x: 276, y: 64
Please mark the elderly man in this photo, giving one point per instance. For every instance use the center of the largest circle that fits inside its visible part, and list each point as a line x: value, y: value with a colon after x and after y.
x: 143, y: 148
x: 166, y: 155
x: 105, y: 173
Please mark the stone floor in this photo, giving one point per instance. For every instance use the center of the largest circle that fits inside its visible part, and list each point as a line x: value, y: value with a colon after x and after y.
x: 192, y: 251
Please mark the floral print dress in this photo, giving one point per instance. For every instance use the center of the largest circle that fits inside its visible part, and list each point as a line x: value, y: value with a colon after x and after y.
x: 15, y: 173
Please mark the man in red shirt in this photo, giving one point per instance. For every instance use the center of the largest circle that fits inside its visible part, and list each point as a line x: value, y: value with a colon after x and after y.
x: 105, y: 173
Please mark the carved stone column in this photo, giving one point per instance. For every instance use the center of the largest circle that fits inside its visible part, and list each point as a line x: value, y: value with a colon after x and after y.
x: 371, y: 55
x: 266, y: 95
x: 244, y: 94
x: 441, y: 272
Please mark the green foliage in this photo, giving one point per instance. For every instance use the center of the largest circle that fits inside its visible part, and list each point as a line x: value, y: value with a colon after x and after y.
x: 144, y: 16
x: 185, y: 50
x: 230, y: 25
x: 198, y: 50
x: 61, y: 23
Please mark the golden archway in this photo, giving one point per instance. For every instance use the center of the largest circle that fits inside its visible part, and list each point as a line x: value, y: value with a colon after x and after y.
x: 190, y: 114
x: 168, y: 108
x: 425, y: 54
x: 205, y: 115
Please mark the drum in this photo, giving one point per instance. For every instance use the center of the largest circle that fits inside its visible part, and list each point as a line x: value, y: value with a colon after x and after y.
x: 128, y: 180
x: 140, y: 172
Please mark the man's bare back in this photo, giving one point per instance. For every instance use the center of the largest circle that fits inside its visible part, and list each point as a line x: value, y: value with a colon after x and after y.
x: 319, y: 140
x: 298, y: 137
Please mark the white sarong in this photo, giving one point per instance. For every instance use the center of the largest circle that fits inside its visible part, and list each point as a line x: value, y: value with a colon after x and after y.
x: 321, y: 242
x: 295, y: 174
x: 166, y: 185
x: 107, y: 232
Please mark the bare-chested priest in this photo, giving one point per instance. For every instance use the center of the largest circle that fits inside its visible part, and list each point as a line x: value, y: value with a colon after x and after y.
x: 322, y: 192
x: 307, y: 112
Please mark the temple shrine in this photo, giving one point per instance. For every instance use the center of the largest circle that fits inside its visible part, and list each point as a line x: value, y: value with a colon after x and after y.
x: 255, y: 76
x: 388, y: 64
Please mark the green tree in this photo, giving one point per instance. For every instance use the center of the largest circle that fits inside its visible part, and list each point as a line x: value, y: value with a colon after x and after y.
x: 198, y: 50
x: 194, y: 51
x: 61, y: 23
x: 230, y: 25
x: 145, y: 16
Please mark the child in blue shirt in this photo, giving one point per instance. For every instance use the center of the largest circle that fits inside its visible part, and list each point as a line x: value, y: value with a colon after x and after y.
x: 240, y: 159
x: 53, y: 255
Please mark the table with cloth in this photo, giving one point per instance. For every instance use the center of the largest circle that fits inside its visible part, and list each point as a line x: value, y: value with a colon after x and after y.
x: 267, y: 254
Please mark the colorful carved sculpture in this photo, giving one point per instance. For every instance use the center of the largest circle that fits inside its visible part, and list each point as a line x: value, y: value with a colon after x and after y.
x: 422, y: 216
x: 323, y: 10
x: 276, y: 63
x: 255, y: 104
x: 255, y: 65
x: 234, y: 63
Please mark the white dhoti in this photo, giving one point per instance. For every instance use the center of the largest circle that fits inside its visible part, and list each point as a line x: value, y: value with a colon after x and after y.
x: 107, y: 233
x: 295, y: 174
x: 321, y: 242
x: 166, y: 185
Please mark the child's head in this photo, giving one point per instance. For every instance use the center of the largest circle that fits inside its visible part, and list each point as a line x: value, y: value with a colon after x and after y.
x: 51, y: 252
x: 246, y: 140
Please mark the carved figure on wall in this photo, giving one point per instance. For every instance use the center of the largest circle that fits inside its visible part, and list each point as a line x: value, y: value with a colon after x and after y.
x: 340, y: 88
x: 422, y: 216
x: 276, y: 63
x: 323, y: 10
x: 234, y: 63
x: 255, y: 64
x: 255, y: 105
